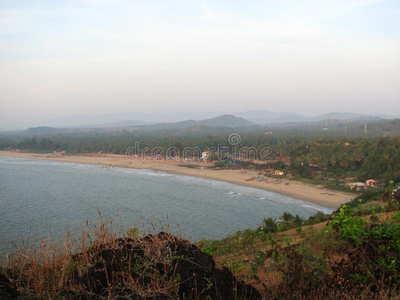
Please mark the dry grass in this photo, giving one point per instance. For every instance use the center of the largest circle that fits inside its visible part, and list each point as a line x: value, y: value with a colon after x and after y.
x: 99, y: 265
x: 44, y: 270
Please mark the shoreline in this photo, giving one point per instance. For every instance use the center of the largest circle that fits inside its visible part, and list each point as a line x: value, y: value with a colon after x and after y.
x: 298, y: 190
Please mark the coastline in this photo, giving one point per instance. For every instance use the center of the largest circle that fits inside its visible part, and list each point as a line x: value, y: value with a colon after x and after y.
x: 298, y: 190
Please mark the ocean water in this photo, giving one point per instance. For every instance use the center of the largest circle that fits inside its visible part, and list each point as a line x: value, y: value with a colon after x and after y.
x: 45, y: 198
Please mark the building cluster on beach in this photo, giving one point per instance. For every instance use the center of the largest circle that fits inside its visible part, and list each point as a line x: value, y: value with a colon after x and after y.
x: 360, y: 186
x: 176, y: 158
x: 274, y: 172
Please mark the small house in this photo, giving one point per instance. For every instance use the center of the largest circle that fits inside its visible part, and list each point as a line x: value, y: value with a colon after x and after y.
x: 358, y: 186
x: 370, y: 183
x: 204, y: 155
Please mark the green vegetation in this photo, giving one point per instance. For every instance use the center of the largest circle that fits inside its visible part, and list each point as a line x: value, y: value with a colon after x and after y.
x: 348, y: 258
x: 353, y: 253
x: 320, y: 160
x: 222, y: 164
x: 250, y: 237
x: 350, y: 227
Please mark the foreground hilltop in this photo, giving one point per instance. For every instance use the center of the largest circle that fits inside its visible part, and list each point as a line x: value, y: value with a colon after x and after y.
x: 158, y: 266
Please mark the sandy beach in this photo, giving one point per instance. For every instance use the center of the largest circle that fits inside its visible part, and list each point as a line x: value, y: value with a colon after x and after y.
x: 311, y: 193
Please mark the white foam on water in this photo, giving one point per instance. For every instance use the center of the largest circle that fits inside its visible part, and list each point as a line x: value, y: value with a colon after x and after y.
x: 325, y: 210
x: 154, y: 173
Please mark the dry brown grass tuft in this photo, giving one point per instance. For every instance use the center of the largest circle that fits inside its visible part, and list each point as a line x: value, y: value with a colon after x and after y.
x: 99, y: 265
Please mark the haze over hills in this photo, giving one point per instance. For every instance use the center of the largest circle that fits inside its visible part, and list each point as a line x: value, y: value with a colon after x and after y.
x: 267, y: 117
x: 226, y: 121
x: 230, y: 121
x: 118, y: 124
x: 115, y: 120
x: 354, y: 127
x: 184, y: 120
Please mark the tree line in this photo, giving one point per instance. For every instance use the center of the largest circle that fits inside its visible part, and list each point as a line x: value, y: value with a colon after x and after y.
x: 377, y: 158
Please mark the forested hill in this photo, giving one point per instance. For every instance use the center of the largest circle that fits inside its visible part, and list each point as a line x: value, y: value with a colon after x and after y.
x: 225, y: 121
x: 328, y: 128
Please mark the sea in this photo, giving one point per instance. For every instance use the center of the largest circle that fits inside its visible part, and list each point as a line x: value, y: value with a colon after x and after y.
x: 45, y: 199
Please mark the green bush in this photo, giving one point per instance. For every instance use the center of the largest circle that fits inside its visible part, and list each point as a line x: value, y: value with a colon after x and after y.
x: 133, y: 232
x: 221, y: 164
x: 396, y: 217
x: 366, y: 196
x: 382, y: 245
x: 317, y: 218
x: 269, y: 226
x: 368, y: 209
x: 302, y: 272
x: 351, y: 227
x: 208, y: 246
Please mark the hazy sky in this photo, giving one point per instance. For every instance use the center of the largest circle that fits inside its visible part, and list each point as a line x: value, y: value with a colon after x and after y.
x: 61, y: 58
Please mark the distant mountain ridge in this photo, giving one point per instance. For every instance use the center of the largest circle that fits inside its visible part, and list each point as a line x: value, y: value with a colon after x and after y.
x: 235, y: 120
x: 226, y: 121
x: 112, y: 120
x: 229, y: 121
x: 125, y: 123
x: 266, y: 117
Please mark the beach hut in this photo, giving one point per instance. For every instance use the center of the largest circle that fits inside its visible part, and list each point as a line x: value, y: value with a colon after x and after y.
x: 358, y: 186
x: 370, y: 183
x: 204, y: 155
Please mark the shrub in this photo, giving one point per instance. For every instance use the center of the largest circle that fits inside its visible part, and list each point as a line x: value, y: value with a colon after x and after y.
x: 133, y: 232
x: 370, y: 209
x: 302, y: 273
x: 317, y: 218
x: 221, y: 164
x: 375, y: 261
x: 366, y: 196
x: 396, y: 217
x: 291, y: 221
x: 351, y: 228
x: 269, y: 226
x: 374, y: 218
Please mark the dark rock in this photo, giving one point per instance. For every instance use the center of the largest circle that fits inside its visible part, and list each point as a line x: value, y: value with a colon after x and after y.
x: 178, y: 262
x: 7, y: 290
